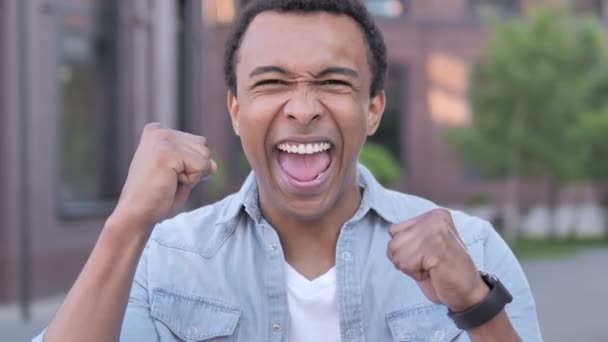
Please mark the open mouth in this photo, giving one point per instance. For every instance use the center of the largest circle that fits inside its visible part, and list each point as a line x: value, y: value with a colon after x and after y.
x: 305, y: 165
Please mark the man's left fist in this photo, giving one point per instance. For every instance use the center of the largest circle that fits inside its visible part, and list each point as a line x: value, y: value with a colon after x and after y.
x: 428, y: 249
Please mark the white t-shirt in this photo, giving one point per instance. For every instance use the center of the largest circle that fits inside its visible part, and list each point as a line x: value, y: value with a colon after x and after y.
x: 313, y: 307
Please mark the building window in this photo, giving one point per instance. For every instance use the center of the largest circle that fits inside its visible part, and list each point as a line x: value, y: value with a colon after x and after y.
x: 89, y: 183
x: 220, y: 11
x: 387, y: 8
x: 495, y: 8
x: 593, y: 7
x: 447, y: 98
x: 188, y: 66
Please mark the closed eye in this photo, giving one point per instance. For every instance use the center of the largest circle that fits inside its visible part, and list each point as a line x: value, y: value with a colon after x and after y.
x: 269, y: 82
x: 334, y: 83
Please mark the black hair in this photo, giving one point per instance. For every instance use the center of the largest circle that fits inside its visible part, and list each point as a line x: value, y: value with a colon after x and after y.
x: 352, y: 8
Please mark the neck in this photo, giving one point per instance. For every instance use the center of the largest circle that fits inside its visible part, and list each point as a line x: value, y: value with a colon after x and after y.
x: 310, y: 245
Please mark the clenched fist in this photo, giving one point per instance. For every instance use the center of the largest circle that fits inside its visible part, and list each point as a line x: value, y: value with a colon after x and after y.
x: 428, y: 249
x: 164, y: 169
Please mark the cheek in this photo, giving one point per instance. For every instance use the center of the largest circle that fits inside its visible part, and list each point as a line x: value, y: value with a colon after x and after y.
x: 254, y: 124
x: 352, y: 120
x: 260, y: 112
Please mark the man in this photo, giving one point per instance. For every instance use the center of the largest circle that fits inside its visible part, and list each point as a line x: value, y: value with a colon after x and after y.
x: 312, y: 248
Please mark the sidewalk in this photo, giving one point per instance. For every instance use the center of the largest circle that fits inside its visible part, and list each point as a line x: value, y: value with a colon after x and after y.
x: 13, y: 329
x: 571, y: 296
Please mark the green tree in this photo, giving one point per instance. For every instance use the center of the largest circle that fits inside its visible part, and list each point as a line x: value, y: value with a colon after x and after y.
x: 529, y: 93
x: 381, y: 163
x: 593, y: 131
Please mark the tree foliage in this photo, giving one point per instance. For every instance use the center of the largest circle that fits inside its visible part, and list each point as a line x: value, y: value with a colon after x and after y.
x: 379, y: 160
x: 537, y: 99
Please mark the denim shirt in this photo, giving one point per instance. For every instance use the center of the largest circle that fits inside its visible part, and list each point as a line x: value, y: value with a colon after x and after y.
x: 216, y: 274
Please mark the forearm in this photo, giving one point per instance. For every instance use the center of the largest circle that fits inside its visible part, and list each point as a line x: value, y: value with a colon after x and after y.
x: 497, y: 329
x: 94, y: 308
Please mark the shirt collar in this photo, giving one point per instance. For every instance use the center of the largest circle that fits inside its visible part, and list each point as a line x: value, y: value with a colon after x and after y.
x: 375, y: 197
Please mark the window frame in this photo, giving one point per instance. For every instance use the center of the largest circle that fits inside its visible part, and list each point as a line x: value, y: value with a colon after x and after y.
x: 75, y: 209
x: 503, y: 11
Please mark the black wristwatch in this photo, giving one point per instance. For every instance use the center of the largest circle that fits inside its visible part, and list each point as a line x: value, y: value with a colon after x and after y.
x: 487, y: 309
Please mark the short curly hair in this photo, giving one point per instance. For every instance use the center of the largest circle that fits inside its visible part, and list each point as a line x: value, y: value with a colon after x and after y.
x: 352, y: 8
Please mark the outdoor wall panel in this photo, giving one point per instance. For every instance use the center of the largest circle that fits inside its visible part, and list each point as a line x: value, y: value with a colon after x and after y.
x: 3, y: 152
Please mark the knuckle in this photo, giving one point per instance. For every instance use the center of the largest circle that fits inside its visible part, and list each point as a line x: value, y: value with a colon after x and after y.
x: 159, y: 133
x: 440, y: 213
x: 152, y: 126
x: 152, y: 130
x: 439, y: 241
x: 400, y: 265
x: 392, y: 248
x: 403, y: 266
x: 205, y: 153
x: 393, y: 229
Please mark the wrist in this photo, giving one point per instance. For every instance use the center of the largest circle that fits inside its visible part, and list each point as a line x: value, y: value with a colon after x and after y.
x: 493, y: 303
x: 121, y: 227
x: 476, y: 296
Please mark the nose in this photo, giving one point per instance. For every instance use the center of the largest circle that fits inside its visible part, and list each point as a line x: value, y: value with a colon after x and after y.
x: 303, y: 108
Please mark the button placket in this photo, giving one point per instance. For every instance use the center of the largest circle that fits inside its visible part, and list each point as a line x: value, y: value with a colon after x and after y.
x: 347, y: 280
x: 277, y: 295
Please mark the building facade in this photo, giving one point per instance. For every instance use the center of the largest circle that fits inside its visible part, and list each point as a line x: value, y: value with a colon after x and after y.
x: 80, y: 78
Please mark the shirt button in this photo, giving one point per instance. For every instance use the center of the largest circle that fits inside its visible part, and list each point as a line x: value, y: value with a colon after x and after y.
x: 346, y: 256
x: 273, y: 246
x: 439, y: 336
x: 350, y: 334
x: 276, y: 327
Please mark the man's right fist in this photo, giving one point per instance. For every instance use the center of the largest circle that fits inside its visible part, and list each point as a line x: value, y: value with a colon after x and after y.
x: 165, y: 168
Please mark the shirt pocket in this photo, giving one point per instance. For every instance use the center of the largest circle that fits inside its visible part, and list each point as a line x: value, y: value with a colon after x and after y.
x: 424, y: 323
x: 192, y: 318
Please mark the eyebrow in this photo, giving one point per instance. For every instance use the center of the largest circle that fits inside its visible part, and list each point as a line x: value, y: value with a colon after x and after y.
x: 337, y: 70
x: 325, y: 72
x: 267, y: 69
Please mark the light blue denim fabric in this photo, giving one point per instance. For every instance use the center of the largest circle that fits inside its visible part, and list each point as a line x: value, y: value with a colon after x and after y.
x: 216, y: 274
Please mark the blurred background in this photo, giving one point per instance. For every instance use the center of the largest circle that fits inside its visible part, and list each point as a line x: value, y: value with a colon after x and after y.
x: 495, y: 107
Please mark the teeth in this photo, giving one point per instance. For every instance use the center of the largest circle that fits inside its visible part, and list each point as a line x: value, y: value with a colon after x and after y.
x: 304, y: 148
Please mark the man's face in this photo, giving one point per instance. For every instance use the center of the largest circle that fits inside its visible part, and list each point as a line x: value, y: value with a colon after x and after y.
x: 303, y: 109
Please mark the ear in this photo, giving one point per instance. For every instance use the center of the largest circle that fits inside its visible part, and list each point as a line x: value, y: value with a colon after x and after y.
x: 233, y: 108
x: 375, y: 111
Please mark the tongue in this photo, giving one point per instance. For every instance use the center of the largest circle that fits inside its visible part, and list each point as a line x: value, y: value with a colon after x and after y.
x: 304, y: 167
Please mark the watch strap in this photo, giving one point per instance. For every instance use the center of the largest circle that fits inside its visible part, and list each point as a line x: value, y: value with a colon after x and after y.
x: 483, y: 312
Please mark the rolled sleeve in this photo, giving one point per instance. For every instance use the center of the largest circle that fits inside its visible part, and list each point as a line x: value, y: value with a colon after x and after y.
x: 138, y: 324
x: 501, y: 262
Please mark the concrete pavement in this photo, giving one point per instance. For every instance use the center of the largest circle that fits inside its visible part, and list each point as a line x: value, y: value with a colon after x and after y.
x: 571, y: 296
x: 13, y: 329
